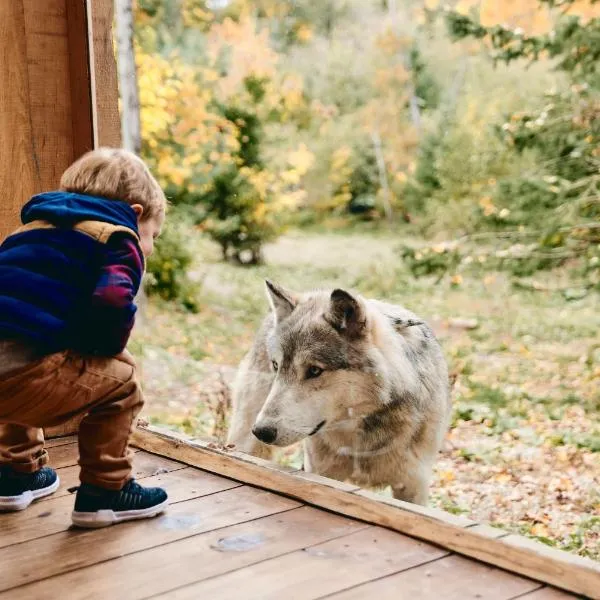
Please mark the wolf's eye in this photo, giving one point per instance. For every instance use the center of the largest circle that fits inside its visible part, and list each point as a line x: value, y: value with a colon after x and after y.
x: 314, y: 372
x: 275, y: 365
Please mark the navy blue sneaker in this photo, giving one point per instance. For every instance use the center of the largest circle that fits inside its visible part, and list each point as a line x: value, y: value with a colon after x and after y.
x: 98, y: 507
x: 19, y: 490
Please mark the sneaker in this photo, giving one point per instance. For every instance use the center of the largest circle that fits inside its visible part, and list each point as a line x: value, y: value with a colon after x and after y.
x: 19, y: 490
x: 98, y: 507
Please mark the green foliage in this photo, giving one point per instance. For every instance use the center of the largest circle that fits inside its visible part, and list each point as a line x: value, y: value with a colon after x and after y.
x: 167, y: 268
x: 435, y: 260
x: 575, y: 43
x: 560, y: 190
x: 427, y: 88
x: 232, y: 210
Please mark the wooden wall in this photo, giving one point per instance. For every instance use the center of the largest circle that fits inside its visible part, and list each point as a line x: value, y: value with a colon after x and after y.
x: 58, y: 98
x: 58, y: 93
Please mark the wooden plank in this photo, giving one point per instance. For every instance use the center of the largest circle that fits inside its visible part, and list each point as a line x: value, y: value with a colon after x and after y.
x: 60, y: 441
x: 63, y: 552
x: 451, y: 578
x: 54, y: 516
x: 319, y: 570
x: 79, y: 76
x: 547, y: 593
x: 487, y: 531
x: 66, y: 455
x: 105, y: 90
x: 160, y: 569
x: 144, y: 465
x: 563, y: 570
x: 49, y: 88
x: 19, y: 174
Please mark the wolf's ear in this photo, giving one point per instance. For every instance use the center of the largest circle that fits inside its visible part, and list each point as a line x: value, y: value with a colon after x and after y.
x: 282, y: 301
x: 346, y: 314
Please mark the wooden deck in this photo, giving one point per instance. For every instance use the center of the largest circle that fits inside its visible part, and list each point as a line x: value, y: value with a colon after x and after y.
x: 222, y: 539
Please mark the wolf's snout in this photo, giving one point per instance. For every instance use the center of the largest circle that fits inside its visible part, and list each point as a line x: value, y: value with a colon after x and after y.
x: 265, y: 434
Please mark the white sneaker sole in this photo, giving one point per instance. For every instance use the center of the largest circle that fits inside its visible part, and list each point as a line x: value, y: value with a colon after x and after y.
x: 22, y: 501
x: 105, y: 518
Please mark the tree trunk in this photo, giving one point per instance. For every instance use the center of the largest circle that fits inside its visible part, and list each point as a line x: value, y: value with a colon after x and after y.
x: 383, y: 178
x: 128, y: 86
x: 415, y: 110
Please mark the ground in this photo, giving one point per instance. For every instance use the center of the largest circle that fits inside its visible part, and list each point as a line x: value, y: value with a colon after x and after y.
x: 523, y: 452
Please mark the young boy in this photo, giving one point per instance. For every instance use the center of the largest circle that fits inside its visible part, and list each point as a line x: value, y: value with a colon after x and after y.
x: 68, y: 279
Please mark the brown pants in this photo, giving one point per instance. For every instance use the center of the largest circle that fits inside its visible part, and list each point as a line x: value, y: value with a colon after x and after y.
x: 58, y: 388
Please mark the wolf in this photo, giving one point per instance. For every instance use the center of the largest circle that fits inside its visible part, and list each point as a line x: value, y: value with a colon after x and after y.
x: 364, y: 384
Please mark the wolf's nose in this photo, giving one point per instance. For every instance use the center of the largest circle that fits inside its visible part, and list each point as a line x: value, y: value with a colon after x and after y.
x: 265, y: 434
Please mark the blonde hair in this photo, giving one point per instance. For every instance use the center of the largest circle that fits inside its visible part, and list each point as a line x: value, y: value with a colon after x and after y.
x: 116, y: 174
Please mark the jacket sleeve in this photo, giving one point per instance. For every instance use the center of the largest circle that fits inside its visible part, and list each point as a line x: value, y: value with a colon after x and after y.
x: 112, y: 309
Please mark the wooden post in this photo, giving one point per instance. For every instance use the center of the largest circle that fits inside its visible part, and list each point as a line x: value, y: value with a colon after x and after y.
x: 58, y: 96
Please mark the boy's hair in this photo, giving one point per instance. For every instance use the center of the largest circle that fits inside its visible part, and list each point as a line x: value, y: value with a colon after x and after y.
x: 116, y: 174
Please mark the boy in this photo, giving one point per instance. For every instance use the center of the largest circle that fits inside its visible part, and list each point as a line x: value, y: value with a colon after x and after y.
x: 68, y: 279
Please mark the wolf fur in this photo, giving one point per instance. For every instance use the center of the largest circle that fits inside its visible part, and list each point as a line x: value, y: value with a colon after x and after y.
x: 363, y: 383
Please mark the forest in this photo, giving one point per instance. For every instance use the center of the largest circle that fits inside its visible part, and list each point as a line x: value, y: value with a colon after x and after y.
x: 444, y: 156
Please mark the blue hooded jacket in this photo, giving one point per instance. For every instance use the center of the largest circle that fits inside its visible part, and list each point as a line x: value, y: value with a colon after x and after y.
x: 49, y: 271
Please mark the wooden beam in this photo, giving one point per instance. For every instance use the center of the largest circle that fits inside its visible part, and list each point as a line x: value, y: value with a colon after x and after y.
x: 513, y: 553
x: 104, y: 81
x: 79, y: 72
x: 19, y: 172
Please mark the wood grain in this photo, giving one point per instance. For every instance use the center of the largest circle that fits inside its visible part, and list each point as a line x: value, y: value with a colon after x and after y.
x: 144, y: 465
x: 516, y: 554
x: 54, y: 515
x: 546, y: 593
x: 318, y: 570
x: 452, y: 578
x: 105, y: 90
x: 161, y: 569
x: 79, y: 76
x: 49, y: 88
x: 19, y: 174
x: 69, y: 550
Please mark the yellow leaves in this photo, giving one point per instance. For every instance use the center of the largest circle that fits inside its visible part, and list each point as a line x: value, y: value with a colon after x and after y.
x: 301, y: 159
x: 392, y: 76
x: 540, y: 530
x: 248, y: 50
x: 291, y: 93
x: 446, y: 476
x: 464, y: 6
x: 304, y: 33
x: 487, y: 206
x: 526, y: 15
x: 391, y: 43
x: 503, y: 478
x: 431, y: 4
x: 585, y: 10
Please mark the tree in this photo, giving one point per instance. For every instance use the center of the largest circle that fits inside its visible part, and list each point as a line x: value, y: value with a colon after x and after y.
x: 128, y: 84
x: 565, y: 135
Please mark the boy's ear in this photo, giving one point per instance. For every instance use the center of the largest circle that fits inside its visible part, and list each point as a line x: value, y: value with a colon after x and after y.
x: 138, y: 209
x: 282, y: 301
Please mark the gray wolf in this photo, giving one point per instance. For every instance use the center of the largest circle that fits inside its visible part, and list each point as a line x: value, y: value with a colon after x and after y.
x: 362, y: 383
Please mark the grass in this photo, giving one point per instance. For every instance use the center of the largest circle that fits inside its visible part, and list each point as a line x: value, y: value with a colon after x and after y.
x: 524, y: 448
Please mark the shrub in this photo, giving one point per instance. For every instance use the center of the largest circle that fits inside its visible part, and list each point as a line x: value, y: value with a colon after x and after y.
x: 167, y: 268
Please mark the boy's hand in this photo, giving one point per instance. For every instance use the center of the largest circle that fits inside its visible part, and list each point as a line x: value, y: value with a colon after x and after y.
x: 126, y: 357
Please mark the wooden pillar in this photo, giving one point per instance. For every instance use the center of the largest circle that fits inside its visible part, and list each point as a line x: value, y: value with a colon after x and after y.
x: 58, y: 93
x: 58, y: 96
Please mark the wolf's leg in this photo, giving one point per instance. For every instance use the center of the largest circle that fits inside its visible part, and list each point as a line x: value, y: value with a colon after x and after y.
x: 414, y: 488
